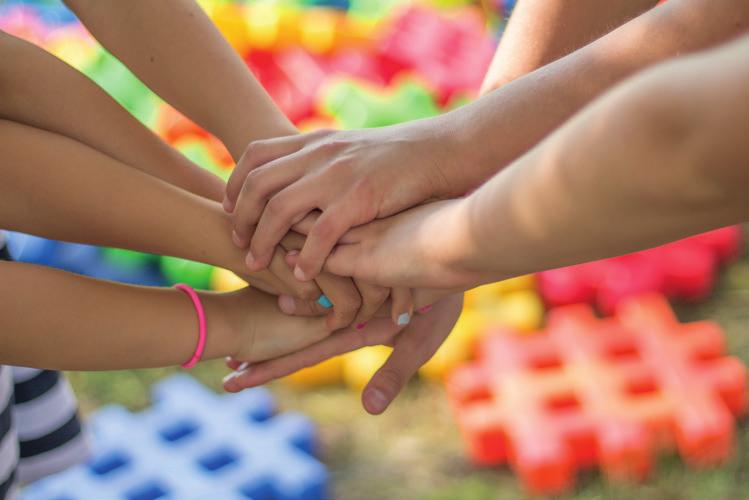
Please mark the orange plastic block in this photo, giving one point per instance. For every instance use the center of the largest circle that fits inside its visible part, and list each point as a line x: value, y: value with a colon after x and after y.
x: 609, y: 392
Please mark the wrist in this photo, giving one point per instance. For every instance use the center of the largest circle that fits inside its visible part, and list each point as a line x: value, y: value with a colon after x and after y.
x: 223, y: 329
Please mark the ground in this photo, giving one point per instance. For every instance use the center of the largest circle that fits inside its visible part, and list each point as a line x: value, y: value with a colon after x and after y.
x: 413, y: 452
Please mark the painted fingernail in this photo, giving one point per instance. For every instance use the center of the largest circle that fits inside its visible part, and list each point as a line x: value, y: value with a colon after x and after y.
x: 231, y: 377
x: 292, y: 253
x: 425, y: 309
x: 249, y: 260
x: 404, y: 319
x: 324, y: 301
x: 287, y: 304
x: 299, y: 274
x: 243, y: 367
x: 361, y: 326
x: 377, y: 400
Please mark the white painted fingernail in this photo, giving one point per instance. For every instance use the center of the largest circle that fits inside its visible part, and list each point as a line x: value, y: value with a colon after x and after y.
x: 231, y: 377
x: 404, y: 319
x: 243, y: 366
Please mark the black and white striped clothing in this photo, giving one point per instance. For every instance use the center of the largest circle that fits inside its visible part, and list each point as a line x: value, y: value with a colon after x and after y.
x: 40, y: 432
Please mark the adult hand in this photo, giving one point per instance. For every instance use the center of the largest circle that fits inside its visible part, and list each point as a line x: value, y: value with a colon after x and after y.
x: 424, y: 247
x: 352, y: 177
x: 412, y: 347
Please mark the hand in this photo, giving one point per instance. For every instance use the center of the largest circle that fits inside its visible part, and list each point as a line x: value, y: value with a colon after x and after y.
x: 262, y: 331
x: 423, y: 247
x: 412, y: 347
x: 353, y: 177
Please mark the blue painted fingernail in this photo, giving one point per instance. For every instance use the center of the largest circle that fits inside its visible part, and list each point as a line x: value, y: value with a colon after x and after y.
x: 404, y: 319
x: 324, y: 301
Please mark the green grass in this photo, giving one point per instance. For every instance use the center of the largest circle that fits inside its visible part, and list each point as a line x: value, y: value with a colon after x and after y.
x: 414, y: 451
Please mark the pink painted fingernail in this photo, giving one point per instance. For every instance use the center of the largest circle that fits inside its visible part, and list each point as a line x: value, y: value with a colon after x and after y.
x: 425, y: 309
x: 299, y: 274
x: 361, y: 326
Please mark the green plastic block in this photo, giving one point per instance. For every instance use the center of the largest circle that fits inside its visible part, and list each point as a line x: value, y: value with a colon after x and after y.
x: 195, y: 274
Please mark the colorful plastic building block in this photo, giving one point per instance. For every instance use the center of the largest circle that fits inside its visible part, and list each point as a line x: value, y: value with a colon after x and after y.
x: 589, y: 391
x: 451, y: 53
x: 358, y: 105
x: 193, y: 444
x: 684, y: 270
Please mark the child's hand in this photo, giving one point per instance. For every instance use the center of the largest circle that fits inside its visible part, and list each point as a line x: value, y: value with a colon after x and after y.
x: 353, y: 177
x: 423, y: 247
x: 412, y: 347
x: 263, y: 331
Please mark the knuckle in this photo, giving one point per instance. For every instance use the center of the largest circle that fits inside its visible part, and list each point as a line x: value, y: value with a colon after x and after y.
x: 390, y: 380
x: 341, y: 167
x: 276, y: 206
x: 253, y: 149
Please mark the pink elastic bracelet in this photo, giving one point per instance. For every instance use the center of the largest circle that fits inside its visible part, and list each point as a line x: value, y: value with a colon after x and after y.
x: 201, y: 324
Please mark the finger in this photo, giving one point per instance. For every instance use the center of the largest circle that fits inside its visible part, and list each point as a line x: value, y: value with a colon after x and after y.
x: 402, y: 307
x: 305, y: 225
x: 378, y: 332
x: 257, y: 154
x: 259, y: 187
x: 328, y: 229
x: 345, y: 260
x: 344, y: 297
x: 298, y: 307
x: 413, y: 348
x: 279, y: 268
x: 372, y: 298
x: 282, y: 211
x: 236, y: 364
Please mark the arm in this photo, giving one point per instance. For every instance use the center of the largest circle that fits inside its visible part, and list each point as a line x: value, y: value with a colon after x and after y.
x: 64, y: 101
x: 541, y: 31
x: 56, y: 187
x: 357, y: 176
x: 54, y: 319
x: 650, y: 162
x: 175, y: 49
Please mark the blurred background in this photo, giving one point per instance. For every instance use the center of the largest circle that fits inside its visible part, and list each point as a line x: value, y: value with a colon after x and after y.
x: 370, y: 63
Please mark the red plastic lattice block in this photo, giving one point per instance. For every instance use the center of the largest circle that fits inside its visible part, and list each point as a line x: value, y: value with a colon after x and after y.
x: 683, y: 270
x: 589, y: 391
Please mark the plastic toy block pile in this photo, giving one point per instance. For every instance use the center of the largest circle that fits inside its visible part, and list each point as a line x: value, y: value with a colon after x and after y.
x: 194, y: 444
x: 549, y: 400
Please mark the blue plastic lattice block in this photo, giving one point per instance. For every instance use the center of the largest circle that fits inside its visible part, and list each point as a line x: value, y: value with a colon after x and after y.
x: 193, y: 444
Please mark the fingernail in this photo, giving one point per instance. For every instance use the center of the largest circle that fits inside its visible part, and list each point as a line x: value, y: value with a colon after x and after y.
x: 324, y: 301
x: 231, y: 377
x: 361, y: 326
x: 377, y: 400
x: 299, y: 274
x: 287, y: 304
x: 227, y: 204
x: 249, y: 260
x: 243, y: 367
x: 292, y: 253
x: 425, y: 309
x: 404, y: 319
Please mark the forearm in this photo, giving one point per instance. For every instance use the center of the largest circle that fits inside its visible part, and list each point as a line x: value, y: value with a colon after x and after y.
x: 542, y: 31
x: 58, y: 188
x: 504, y: 124
x: 39, y: 90
x: 176, y: 50
x: 58, y: 320
x: 648, y: 163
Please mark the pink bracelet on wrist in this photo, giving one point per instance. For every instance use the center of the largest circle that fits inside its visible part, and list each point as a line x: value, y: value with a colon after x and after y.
x: 202, y: 329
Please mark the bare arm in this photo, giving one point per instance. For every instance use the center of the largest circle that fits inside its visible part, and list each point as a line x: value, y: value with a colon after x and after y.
x: 64, y: 101
x: 660, y: 157
x: 175, y: 49
x: 542, y: 31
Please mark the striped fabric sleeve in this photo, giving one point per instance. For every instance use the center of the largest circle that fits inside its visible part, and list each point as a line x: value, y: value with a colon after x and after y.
x: 8, y: 438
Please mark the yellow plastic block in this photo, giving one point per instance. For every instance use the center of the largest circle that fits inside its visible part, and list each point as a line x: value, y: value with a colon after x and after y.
x: 359, y: 366
x: 522, y: 310
x: 487, y: 295
x: 457, y: 348
x: 318, y: 30
x: 226, y: 281
x: 328, y: 372
x: 230, y: 19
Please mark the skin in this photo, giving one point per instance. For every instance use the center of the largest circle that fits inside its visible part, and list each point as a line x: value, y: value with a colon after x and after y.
x: 222, y: 96
x: 44, y: 325
x: 663, y: 161
x: 354, y: 177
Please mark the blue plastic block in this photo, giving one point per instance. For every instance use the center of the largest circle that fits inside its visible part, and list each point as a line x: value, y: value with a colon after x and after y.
x: 194, y: 444
x: 31, y: 249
